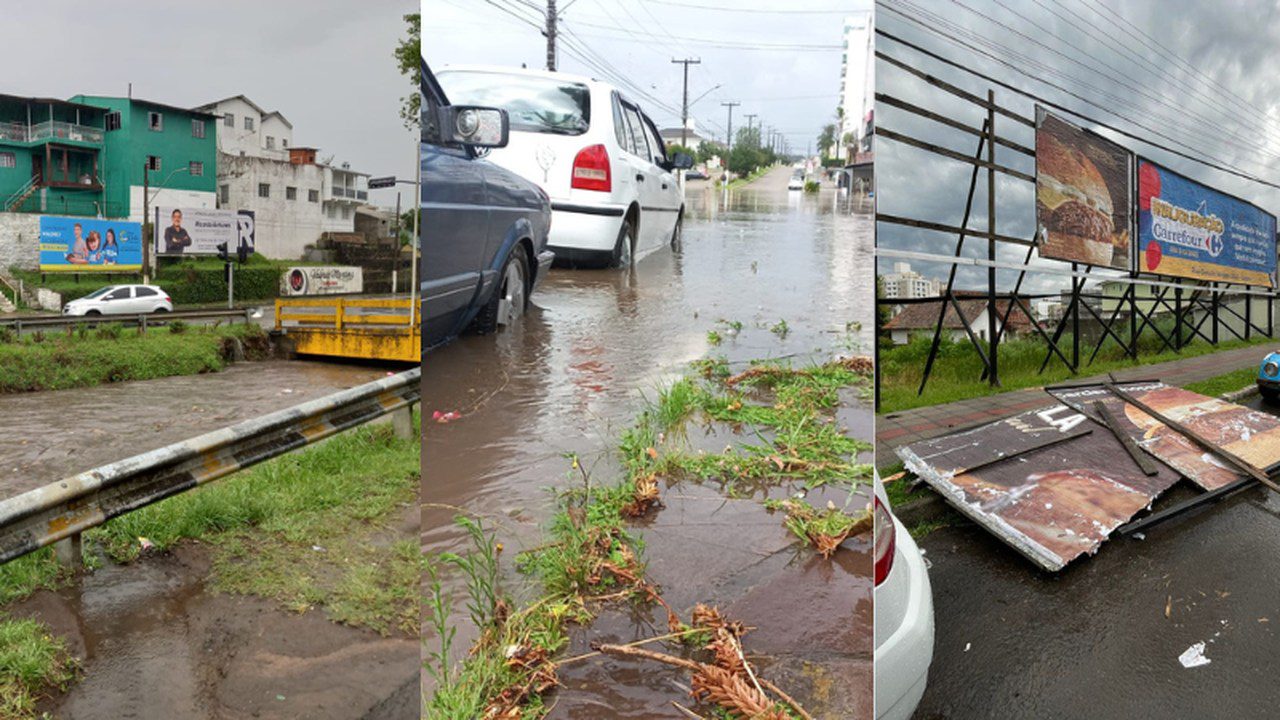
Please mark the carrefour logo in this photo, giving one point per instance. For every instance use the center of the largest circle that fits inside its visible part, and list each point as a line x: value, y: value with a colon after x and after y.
x: 1189, y: 228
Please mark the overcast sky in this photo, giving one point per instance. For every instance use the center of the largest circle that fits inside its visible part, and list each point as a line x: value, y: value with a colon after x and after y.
x: 325, y: 64
x: 794, y: 90
x: 1228, y: 107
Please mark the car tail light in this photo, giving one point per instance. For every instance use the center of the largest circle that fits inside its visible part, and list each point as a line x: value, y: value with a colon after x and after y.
x: 591, y: 169
x: 885, y: 541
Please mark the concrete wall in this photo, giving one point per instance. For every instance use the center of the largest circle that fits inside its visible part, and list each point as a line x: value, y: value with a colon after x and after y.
x: 284, y: 227
x: 19, y: 241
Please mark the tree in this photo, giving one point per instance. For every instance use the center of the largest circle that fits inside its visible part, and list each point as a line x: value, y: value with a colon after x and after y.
x: 826, y: 139
x: 674, y: 148
x: 408, y: 55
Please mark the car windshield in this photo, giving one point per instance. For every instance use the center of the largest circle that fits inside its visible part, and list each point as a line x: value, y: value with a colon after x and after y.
x: 533, y: 104
x: 100, y: 292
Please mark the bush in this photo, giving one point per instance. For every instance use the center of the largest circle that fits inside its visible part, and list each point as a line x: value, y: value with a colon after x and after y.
x: 110, y: 331
x: 177, y: 327
x: 812, y: 186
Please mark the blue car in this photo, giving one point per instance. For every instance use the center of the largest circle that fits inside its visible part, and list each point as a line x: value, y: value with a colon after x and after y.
x: 484, y: 228
x: 1269, y: 377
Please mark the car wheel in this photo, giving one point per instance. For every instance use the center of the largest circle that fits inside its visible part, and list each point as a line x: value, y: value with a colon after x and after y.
x: 624, y: 247
x: 161, y: 309
x: 677, y: 233
x: 92, y: 312
x: 510, y: 299
x: 1269, y: 395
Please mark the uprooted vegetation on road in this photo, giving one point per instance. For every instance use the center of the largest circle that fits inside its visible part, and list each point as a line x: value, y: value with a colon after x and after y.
x: 313, y: 529
x: 591, y: 558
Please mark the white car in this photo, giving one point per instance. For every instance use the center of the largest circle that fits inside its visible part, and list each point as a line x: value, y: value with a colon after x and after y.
x: 614, y: 194
x: 796, y: 182
x: 121, y: 300
x: 904, y: 616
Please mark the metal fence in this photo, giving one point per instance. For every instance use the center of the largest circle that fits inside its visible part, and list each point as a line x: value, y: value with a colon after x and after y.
x: 63, y: 510
x: 142, y: 321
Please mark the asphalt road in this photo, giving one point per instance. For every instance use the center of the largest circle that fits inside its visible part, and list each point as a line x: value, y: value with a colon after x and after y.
x: 1102, y: 638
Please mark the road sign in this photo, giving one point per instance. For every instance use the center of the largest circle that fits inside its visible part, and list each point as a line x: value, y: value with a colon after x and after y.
x: 382, y: 182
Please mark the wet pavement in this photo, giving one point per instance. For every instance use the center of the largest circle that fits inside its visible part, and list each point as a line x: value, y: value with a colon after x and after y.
x: 574, y: 374
x: 59, y: 433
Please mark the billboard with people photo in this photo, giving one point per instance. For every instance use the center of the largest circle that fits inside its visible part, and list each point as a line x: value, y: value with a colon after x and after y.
x: 73, y: 244
x: 199, y: 231
x: 1188, y: 230
x: 1083, y: 195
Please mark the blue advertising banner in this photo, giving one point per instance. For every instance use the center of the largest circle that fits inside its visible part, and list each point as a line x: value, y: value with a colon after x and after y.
x: 1188, y: 230
x: 72, y: 244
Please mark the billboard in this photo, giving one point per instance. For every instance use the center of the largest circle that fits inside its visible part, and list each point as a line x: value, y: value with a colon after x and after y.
x: 1188, y: 230
x: 73, y: 244
x: 1251, y: 435
x: 199, y: 231
x: 1083, y: 195
x: 322, y: 280
x: 1053, y: 503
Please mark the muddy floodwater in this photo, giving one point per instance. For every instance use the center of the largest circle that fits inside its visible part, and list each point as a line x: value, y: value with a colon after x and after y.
x: 59, y: 433
x: 795, y: 270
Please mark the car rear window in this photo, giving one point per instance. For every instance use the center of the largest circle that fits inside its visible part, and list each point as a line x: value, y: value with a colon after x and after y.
x: 144, y: 291
x: 533, y: 104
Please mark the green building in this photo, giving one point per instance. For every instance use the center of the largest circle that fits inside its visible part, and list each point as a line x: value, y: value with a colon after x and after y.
x: 52, y: 157
x: 176, y: 147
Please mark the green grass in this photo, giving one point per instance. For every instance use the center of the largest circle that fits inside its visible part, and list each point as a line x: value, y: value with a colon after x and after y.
x: 32, y: 663
x: 1225, y: 383
x: 957, y: 370
x: 305, y: 529
x: 87, y: 357
x: 36, y: 571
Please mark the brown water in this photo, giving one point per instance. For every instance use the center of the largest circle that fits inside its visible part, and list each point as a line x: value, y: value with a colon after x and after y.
x: 575, y: 373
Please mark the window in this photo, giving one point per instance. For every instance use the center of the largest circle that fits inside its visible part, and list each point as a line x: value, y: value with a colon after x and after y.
x: 284, y: 142
x: 264, y: 190
x: 291, y: 193
x: 156, y: 121
x: 346, y: 212
x: 248, y: 123
x: 225, y: 194
x: 8, y: 160
x: 197, y: 128
x: 313, y: 196
x: 118, y: 294
x: 196, y: 168
x: 153, y: 163
x: 637, y: 144
x: 271, y: 143
x: 656, y: 150
x: 112, y: 120
x: 144, y: 291
x: 229, y: 120
x: 545, y: 105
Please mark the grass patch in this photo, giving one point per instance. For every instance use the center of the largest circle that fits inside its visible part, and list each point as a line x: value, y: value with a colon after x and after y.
x: 22, y: 576
x: 304, y: 529
x: 824, y: 529
x: 87, y: 357
x: 957, y: 370
x: 1225, y: 383
x: 32, y: 663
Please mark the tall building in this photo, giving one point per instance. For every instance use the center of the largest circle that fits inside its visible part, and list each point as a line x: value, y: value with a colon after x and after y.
x: 175, y: 148
x: 295, y: 197
x: 905, y: 284
x: 857, y: 85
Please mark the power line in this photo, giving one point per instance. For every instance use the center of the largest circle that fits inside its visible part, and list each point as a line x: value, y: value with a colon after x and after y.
x: 1062, y: 108
x: 694, y: 6
x: 734, y: 44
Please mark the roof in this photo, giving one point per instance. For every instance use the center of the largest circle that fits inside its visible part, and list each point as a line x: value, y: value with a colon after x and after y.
x: 924, y: 315
x: 277, y: 113
x: 245, y: 99
x: 48, y: 101
x: 668, y: 133
x: 149, y: 103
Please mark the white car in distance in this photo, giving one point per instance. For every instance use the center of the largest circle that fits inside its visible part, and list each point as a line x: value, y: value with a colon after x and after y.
x: 614, y: 194
x: 121, y: 300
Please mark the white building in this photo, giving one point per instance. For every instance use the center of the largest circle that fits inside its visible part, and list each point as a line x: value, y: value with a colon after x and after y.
x: 295, y: 198
x: 857, y: 80
x: 905, y: 284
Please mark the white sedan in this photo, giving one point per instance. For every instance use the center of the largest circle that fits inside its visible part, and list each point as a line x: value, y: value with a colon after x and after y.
x: 904, y: 616
x: 121, y: 300
x: 796, y: 182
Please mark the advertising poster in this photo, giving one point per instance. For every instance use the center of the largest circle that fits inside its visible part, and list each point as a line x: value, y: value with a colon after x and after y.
x: 1083, y: 195
x: 1251, y: 435
x: 322, y: 280
x: 1052, y: 504
x: 1188, y: 230
x: 74, y: 244
x: 199, y: 231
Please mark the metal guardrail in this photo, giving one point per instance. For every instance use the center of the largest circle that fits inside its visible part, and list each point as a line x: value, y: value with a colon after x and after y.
x: 141, y: 320
x: 65, y: 509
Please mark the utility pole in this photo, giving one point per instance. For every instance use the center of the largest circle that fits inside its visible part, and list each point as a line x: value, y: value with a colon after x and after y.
x: 684, y: 106
x: 551, y: 35
x: 728, y: 145
x: 750, y: 117
x: 146, y: 219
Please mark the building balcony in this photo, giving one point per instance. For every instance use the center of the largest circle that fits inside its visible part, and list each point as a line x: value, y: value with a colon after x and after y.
x: 50, y: 130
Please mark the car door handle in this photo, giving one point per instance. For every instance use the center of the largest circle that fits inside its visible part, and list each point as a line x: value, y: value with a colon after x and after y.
x: 640, y: 177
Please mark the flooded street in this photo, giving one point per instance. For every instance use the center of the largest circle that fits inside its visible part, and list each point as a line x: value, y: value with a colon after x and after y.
x: 792, y: 269
x: 63, y: 432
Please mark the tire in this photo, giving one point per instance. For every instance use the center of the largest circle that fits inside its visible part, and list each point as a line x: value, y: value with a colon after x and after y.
x: 1269, y: 395
x: 677, y: 233
x: 161, y: 309
x: 93, y: 313
x: 624, y: 248
x: 510, y: 298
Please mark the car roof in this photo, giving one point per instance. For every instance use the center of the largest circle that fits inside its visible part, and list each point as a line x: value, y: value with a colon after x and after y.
x: 526, y: 72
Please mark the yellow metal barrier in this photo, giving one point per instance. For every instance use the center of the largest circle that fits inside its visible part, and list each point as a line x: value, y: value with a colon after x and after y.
x: 352, y: 327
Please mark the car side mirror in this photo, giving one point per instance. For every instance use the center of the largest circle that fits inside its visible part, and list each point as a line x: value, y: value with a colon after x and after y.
x: 681, y: 161
x: 476, y: 126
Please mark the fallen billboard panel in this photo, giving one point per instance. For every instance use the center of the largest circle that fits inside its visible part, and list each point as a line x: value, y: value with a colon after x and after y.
x: 1251, y: 435
x: 1083, y: 195
x: 1189, y: 230
x: 1050, y: 501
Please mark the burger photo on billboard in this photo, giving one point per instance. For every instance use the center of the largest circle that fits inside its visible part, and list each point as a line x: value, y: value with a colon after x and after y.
x: 1075, y: 207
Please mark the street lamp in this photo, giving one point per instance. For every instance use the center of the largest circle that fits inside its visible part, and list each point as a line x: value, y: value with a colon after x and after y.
x: 146, y: 213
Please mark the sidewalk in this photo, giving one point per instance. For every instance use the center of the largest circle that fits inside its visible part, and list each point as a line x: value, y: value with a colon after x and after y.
x: 905, y: 427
